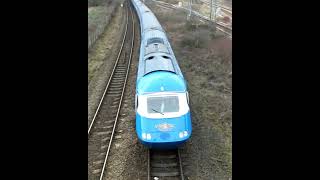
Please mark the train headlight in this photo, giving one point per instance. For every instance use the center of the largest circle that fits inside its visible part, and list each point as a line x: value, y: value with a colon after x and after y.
x: 144, y: 136
x: 180, y: 134
x: 185, y: 133
x: 148, y: 136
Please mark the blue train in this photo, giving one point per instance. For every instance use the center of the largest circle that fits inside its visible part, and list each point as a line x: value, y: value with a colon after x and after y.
x: 163, y: 119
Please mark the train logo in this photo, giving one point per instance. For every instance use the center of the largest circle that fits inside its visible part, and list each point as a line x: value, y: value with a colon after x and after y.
x: 164, y: 127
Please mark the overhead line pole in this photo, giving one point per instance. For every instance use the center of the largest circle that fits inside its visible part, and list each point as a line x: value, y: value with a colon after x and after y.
x: 211, y: 9
x: 215, y: 10
x: 189, y: 15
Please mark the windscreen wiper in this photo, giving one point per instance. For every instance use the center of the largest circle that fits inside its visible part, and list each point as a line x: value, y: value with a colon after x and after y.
x: 157, y: 111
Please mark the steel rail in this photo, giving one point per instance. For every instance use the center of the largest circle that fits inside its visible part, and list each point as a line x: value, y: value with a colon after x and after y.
x: 110, y: 78
x: 217, y: 5
x: 122, y: 94
x: 220, y: 25
x: 165, y: 164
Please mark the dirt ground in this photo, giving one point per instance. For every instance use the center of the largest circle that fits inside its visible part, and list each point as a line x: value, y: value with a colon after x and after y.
x: 205, y: 59
x: 100, y: 12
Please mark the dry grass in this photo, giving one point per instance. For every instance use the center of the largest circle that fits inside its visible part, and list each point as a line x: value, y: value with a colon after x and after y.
x: 100, y: 15
x: 96, y: 16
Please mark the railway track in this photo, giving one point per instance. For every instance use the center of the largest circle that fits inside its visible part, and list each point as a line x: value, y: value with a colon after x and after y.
x: 220, y: 26
x: 165, y: 165
x: 101, y: 131
x: 208, y: 3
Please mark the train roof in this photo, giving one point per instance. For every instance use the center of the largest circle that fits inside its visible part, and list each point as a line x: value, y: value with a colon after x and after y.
x: 158, y: 63
x: 156, y: 54
x: 149, y: 21
x: 158, y: 81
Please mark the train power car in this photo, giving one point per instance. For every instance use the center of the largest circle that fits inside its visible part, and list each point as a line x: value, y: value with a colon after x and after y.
x: 163, y: 119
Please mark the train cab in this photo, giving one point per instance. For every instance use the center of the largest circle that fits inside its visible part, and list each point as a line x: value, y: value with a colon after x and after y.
x: 162, y: 113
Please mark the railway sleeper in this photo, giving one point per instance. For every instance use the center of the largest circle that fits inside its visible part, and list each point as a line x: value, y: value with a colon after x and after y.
x: 123, y: 62
x: 115, y: 92
x: 104, y: 147
x: 114, y: 105
x: 116, y: 99
x: 164, y: 165
x: 105, y: 139
x: 116, y: 85
x: 118, y: 94
x: 98, y: 162
x: 102, y: 133
x: 121, y: 69
x: 122, y: 66
x: 109, y: 120
x: 120, y: 72
x: 96, y: 171
x: 115, y: 88
x: 164, y: 173
x: 117, y: 81
x: 100, y: 129
x: 163, y: 157
x: 107, y: 127
x: 117, y: 76
x: 119, y: 86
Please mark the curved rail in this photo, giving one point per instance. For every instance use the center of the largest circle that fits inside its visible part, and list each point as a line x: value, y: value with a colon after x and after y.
x: 208, y: 3
x: 110, y: 78
x: 114, y: 91
x: 118, y: 111
x: 223, y: 28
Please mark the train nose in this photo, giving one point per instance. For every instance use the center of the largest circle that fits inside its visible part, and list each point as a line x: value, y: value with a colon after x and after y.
x: 164, y: 136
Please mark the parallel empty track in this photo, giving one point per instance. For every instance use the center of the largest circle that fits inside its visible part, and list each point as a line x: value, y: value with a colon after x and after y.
x: 165, y: 165
x: 102, y: 127
x: 220, y: 26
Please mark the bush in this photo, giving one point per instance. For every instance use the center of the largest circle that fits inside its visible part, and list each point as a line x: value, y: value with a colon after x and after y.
x: 190, y: 26
x: 187, y: 42
x: 96, y: 3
